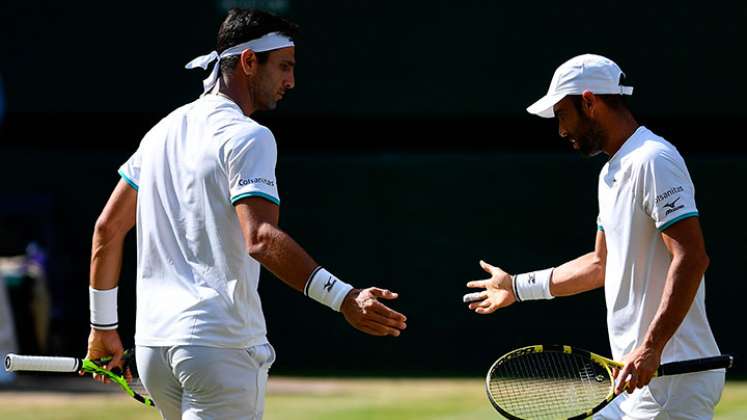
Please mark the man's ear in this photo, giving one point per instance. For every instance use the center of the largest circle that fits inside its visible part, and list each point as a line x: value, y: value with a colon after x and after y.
x: 248, y: 62
x: 588, y: 100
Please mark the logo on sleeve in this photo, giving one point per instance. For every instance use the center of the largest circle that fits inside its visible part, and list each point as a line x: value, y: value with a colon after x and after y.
x: 249, y: 181
x: 673, y: 207
x: 666, y: 194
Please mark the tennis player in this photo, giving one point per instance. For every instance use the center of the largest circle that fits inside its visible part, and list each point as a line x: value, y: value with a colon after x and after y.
x: 202, y: 191
x: 649, y: 256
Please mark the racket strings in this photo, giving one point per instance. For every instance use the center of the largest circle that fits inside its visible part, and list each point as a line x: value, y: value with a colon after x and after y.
x: 548, y: 385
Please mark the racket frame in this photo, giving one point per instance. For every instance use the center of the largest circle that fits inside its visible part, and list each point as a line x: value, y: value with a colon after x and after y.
x: 93, y: 367
x: 699, y: 365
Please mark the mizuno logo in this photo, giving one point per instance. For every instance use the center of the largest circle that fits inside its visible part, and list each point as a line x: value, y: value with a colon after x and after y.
x: 673, y: 203
x: 329, y: 284
x: 671, y: 206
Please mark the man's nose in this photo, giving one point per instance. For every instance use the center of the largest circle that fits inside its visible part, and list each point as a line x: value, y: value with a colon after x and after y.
x: 291, y: 82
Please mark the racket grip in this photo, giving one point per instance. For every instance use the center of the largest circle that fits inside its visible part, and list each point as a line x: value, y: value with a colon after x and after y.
x: 15, y: 362
x: 697, y: 365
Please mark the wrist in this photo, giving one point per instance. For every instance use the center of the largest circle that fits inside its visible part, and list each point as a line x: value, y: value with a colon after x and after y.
x: 325, y: 288
x: 533, y: 285
x: 103, y: 308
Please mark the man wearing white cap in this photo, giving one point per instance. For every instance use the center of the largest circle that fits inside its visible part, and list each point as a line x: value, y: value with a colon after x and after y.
x: 201, y: 189
x: 649, y: 254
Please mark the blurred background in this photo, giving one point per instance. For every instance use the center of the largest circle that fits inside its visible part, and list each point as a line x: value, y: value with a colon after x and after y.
x: 405, y: 157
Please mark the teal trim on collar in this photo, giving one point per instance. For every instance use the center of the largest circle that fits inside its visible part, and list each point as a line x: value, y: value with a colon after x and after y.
x: 677, y: 219
x: 128, y: 180
x: 266, y: 196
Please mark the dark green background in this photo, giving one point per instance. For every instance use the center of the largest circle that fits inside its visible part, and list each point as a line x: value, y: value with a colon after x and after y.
x: 382, y: 57
x: 417, y: 224
x: 405, y: 155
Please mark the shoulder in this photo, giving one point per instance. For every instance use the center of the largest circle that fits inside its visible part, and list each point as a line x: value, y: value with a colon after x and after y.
x: 654, y: 151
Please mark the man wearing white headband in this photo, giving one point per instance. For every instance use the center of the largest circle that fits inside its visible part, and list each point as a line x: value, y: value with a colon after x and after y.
x: 649, y: 256
x: 201, y: 189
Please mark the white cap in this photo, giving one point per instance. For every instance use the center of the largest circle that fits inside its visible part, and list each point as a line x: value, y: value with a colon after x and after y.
x: 591, y: 72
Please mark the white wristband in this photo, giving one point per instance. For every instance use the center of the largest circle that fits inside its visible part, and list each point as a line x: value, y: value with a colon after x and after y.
x: 326, y: 289
x: 533, y: 285
x: 103, y: 305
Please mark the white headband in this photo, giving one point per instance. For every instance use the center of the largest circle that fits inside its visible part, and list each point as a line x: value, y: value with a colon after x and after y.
x: 267, y: 42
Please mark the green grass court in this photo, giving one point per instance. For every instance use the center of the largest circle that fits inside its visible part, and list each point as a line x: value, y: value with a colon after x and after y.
x: 317, y: 399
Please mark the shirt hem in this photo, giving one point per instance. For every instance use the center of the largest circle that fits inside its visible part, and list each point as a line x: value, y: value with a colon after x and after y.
x: 260, y: 194
x: 127, y: 179
x: 156, y: 342
x: 677, y: 219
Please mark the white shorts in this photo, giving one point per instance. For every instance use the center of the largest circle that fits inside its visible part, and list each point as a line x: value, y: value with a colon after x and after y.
x: 691, y: 396
x: 197, y: 382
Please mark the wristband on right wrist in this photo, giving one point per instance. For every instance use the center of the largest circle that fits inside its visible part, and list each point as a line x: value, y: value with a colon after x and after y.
x: 326, y: 289
x: 533, y: 285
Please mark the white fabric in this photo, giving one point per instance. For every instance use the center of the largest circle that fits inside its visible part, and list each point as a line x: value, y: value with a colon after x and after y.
x: 591, y: 72
x: 325, y: 288
x: 267, y: 42
x: 691, y: 396
x: 534, y: 285
x: 195, y: 383
x: 196, y: 285
x: 103, y: 308
x: 643, y: 189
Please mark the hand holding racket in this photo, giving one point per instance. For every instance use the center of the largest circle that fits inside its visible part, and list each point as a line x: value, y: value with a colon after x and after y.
x: 127, y: 377
x: 561, y: 382
x: 498, y: 291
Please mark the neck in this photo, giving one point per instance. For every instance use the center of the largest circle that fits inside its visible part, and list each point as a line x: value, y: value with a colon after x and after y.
x: 619, y: 131
x: 240, y: 95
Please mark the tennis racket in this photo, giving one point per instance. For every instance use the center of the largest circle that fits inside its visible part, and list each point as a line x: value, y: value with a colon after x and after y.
x: 562, y: 382
x: 127, y: 379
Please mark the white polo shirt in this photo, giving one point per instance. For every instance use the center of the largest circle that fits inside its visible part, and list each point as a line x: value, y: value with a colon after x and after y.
x: 643, y: 189
x: 196, y: 284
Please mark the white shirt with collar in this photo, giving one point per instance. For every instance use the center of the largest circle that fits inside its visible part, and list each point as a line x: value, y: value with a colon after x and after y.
x: 643, y: 189
x: 196, y: 284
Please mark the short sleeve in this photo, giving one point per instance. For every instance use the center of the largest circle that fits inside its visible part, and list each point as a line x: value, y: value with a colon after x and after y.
x: 250, y: 165
x: 668, y: 192
x: 130, y: 171
x: 600, y: 227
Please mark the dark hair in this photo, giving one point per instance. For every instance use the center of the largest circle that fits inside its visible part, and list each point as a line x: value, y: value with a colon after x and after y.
x: 242, y: 25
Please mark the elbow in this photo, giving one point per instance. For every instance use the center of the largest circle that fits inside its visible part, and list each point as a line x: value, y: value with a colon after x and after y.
x: 257, y: 250
x: 705, y: 261
x: 104, y: 230
x: 258, y: 243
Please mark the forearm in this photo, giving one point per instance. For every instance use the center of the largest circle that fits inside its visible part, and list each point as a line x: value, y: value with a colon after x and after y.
x: 683, y: 280
x: 106, y: 258
x: 577, y: 276
x: 283, y: 256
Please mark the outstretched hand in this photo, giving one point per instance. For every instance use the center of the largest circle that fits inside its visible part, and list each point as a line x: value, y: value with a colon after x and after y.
x: 364, y: 312
x: 498, y: 291
x: 104, y: 343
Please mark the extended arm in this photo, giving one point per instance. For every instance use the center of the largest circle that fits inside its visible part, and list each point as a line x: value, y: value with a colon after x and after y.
x: 684, y: 240
x: 580, y: 275
x: 279, y: 253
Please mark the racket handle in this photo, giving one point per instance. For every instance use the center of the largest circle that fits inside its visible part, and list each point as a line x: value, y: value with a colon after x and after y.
x: 696, y: 365
x: 15, y: 362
